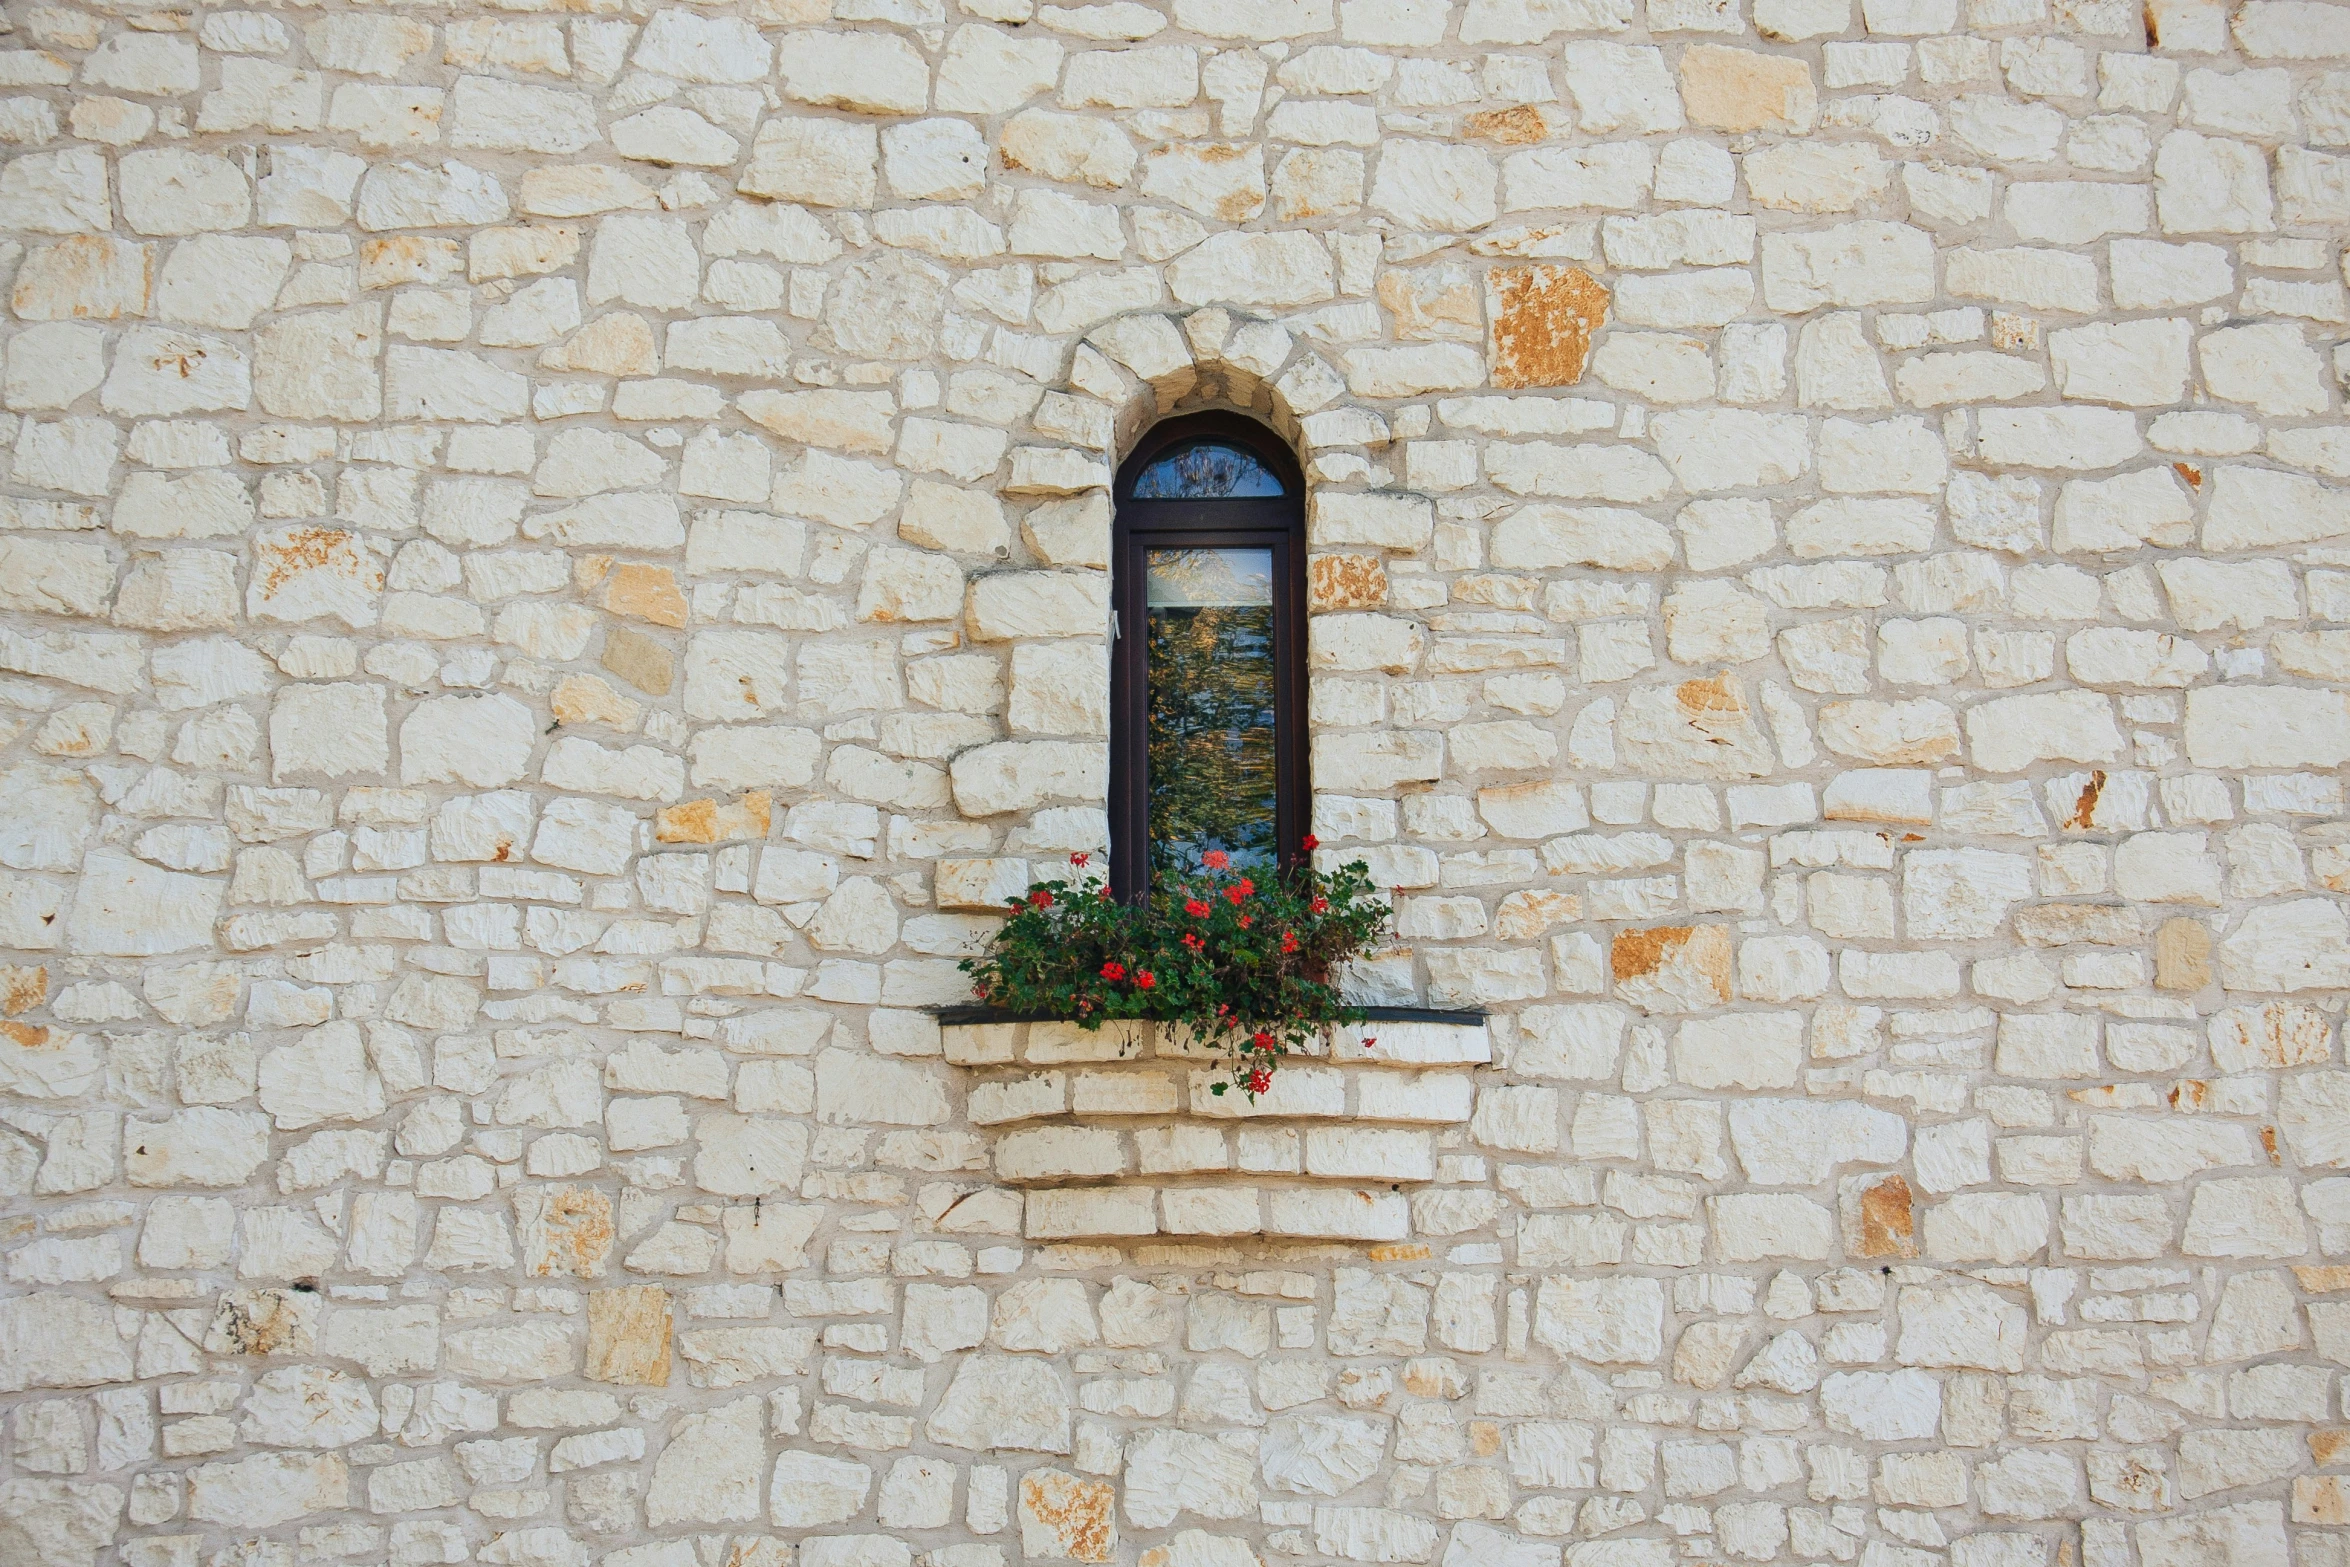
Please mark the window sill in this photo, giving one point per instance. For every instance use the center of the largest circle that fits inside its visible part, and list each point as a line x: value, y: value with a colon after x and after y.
x: 974, y: 1015
x: 1116, y: 1132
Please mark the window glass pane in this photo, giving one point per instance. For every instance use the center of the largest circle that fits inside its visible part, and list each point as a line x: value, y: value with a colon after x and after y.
x: 1208, y: 664
x: 1205, y: 471
x: 1199, y: 577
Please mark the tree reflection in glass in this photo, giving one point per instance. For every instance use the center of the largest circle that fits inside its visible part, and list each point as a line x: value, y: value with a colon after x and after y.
x: 1209, y: 675
x: 1205, y: 471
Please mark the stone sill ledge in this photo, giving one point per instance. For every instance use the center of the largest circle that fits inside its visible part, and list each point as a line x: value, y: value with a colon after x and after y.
x: 974, y: 1015
x: 1089, y: 1122
x: 1218, y: 1213
x: 1393, y: 1036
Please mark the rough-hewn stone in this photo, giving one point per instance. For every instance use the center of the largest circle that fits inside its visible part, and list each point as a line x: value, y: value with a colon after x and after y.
x: 555, y: 577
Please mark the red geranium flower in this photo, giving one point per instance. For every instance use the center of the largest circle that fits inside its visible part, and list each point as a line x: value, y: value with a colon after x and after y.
x: 1289, y: 941
x: 1215, y: 859
x: 1041, y: 898
x: 1320, y: 905
x: 1236, y: 892
x: 1113, y: 970
x: 1261, y: 1039
x: 1259, y: 1079
x: 1191, y: 940
x: 1143, y: 979
x: 1311, y: 844
x: 1079, y: 859
x: 1196, y: 909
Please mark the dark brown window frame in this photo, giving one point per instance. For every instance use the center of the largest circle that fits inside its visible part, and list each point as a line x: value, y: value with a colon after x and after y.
x: 1260, y: 522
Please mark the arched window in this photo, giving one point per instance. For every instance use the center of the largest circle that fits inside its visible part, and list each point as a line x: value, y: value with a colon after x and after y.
x: 1207, y: 663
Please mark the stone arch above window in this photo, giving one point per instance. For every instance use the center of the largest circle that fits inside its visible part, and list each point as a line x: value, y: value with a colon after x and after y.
x: 1148, y: 366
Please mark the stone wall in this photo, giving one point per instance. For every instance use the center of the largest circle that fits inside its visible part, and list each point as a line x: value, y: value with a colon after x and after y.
x: 552, y: 559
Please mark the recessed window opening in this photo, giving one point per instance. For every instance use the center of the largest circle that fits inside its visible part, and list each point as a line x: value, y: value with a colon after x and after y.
x: 1207, y: 663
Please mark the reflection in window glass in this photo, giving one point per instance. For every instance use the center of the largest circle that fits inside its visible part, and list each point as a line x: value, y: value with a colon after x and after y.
x: 1208, y: 666
x: 1205, y: 471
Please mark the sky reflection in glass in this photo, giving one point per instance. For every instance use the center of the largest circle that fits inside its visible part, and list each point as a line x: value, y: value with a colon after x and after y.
x: 1206, y: 471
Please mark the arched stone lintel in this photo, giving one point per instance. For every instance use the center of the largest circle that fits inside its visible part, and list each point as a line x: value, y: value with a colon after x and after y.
x: 1152, y: 364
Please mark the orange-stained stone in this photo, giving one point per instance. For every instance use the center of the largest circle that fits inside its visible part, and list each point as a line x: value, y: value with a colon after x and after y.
x: 1740, y: 90
x: 713, y: 821
x: 28, y: 1036
x: 566, y: 1230
x: 1704, y: 698
x: 2141, y: 1479
x: 22, y: 989
x: 1398, y: 1253
x: 407, y: 258
x: 2328, y: 1447
x: 280, y: 561
x: 1543, y: 322
x: 1674, y: 968
x: 2321, y: 1499
x: 1235, y: 206
x: 1433, y: 302
x: 758, y: 1550
x: 1526, y: 914
x: 1885, y: 1222
x: 628, y: 1335
x: 72, y: 732
x: 645, y: 593
x: 1064, y: 1518
x: 617, y: 344
x: 1433, y: 1376
x: 2085, y: 805
x: 1639, y: 952
x: 2012, y: 334
x: 1514, y: 127
x: 85, y: 277
x: 584, y: 699
x: 2277, y: 1036
x: 1345, y: 582
x: 2324, y: 1279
